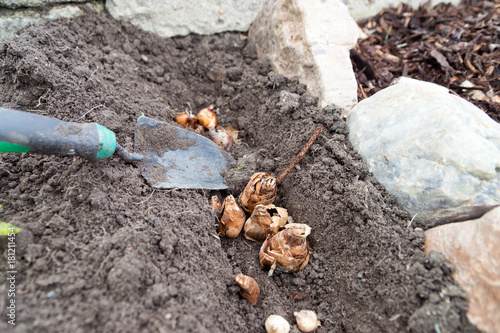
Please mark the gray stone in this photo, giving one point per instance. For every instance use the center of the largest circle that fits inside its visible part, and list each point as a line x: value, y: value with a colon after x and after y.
x: 310, y: 39
x: 183, y: 17
x: 34, y: 3
x: 438, y: 154
x: 13, y: 21
x: 63, y: 12
x: 361, y: 9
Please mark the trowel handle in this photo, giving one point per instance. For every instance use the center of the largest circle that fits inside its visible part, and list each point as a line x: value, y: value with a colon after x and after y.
x: 28, y: 132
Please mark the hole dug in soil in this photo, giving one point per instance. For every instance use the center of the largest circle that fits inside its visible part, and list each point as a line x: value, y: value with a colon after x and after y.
x: 102, y: 251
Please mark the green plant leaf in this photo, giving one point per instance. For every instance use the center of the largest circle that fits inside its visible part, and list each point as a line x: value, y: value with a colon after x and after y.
x: 388, y: 32
x: 7, y: 228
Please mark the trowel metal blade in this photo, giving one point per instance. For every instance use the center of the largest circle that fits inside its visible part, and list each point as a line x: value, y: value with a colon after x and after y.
x: 178, y: 158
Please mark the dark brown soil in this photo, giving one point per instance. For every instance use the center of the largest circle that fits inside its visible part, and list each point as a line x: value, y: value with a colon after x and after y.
x: 101, y: 251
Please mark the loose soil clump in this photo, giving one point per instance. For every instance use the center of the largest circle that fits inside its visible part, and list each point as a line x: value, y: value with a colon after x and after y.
x: 101, y: 251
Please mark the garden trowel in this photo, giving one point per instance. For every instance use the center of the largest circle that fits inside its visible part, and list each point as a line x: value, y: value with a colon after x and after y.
x: 168, y: 156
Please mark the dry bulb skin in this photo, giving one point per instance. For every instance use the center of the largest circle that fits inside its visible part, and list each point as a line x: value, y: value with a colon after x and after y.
x: 234, y: 132
x: 233, y: 218
x: 216, y: 205
x: 199, y: 129
x: 221, y: 137
x: 185, y: 120
x: 261, y: 189
x: 264, y: 221
x: 307, y: 320
x: 286, y: 250
x: 249, y: 288
x: 207, y: 118
x: 277, y: 324
x: 259, y: 225
x: 278, y: 215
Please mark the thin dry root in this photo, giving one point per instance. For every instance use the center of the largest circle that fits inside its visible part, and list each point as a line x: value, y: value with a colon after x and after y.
x: 301, y: 154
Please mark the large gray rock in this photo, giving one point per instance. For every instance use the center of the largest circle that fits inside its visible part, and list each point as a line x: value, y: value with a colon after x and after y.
x: 12, y: 21
x: 34, y: 3
x: 472, y: 248
x: 361, y: 9
x: 437, y: 153
x: 182, y: 17
x: 310, y: 39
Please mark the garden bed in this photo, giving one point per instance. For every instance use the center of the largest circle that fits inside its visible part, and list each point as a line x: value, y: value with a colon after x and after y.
x: 100, y: 250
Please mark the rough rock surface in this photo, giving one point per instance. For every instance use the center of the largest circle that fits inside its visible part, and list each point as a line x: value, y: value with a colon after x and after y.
x: 361, y: 9
x: 311, y: 40
x: 13, y: 20
x: 34, y: 3
x: 472, y: 247
x: 182, y: 17
x: 437, y: 153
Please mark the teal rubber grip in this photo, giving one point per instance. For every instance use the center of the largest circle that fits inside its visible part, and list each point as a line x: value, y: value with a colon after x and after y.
x: 7, y: 147
x: 107, y: 143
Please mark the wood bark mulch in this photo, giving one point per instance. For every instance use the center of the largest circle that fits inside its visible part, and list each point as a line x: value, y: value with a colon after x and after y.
x: 454, y: 46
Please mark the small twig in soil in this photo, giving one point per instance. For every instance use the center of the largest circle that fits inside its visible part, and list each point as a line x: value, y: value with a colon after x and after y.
x: 409, y: 224
x: 143, y: 201
x: 95, y: 107
x: 301, y: 154
x: 44, y: 97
